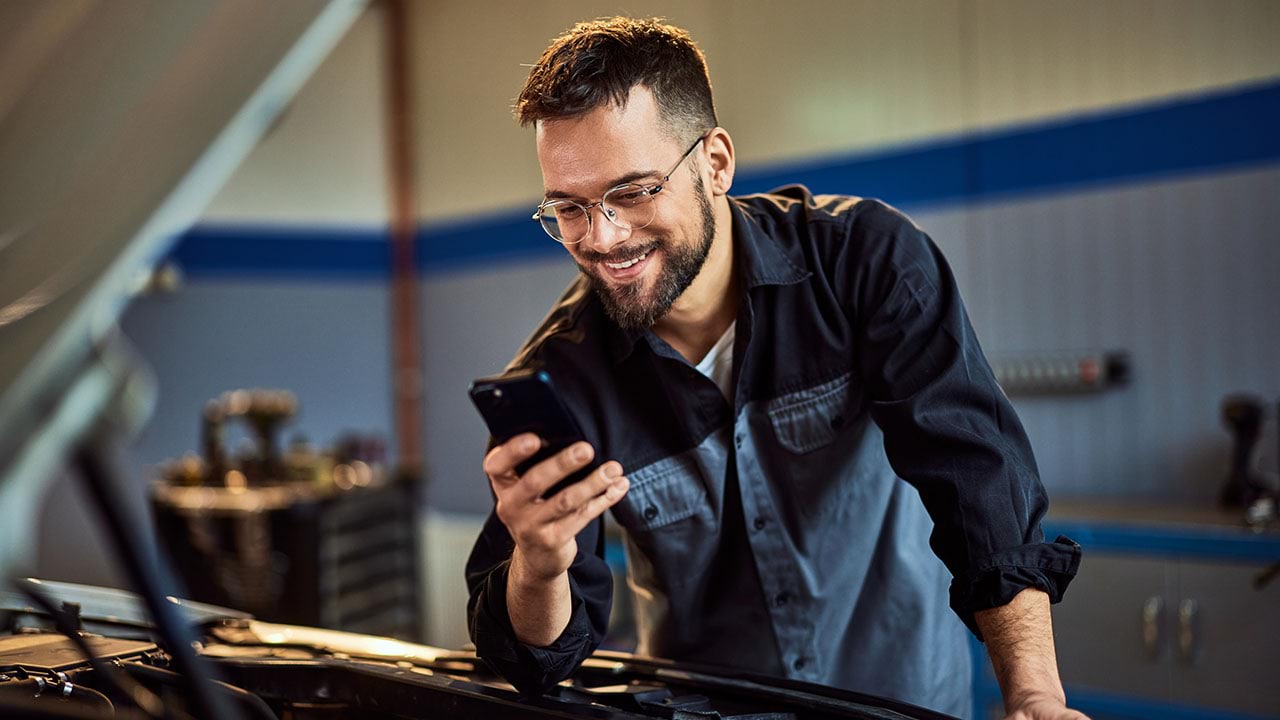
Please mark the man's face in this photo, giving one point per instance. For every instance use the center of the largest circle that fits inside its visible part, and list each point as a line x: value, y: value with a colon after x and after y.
x: 639, y: 273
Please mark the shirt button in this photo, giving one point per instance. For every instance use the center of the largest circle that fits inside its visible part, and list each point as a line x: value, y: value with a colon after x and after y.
x: 650, y: 512
x: 760, y: 523
x: 781, y: 599
x: 737, y: 440
x: 798, y: 664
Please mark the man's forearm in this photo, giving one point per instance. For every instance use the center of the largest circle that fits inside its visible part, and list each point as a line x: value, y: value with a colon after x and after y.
x: 1019, y: 639
x: 539, y: 608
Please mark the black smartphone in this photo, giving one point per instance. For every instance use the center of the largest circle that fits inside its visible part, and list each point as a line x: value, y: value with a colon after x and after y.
x: 527, y: 401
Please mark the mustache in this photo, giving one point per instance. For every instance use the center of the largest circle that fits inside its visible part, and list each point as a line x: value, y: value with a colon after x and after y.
x: 618, y: 255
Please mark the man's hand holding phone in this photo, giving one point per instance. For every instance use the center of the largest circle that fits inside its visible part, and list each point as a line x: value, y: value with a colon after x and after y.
x: 545, y: 529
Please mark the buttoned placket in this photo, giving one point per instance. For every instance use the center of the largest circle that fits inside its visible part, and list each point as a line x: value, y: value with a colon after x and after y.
x: 789, y: 610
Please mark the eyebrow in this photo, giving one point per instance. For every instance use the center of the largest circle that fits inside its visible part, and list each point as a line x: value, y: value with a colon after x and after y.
x: 628, y: 178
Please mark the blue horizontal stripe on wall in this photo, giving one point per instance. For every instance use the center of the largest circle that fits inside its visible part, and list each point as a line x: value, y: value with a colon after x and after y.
x: 1219, y: 543
x: 1213, y: 132
x: 1176, y: 137
x: 504, y: 237
x: 221, y: 250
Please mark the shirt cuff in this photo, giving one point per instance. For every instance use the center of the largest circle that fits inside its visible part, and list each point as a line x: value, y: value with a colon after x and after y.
x: 531, y: 669
x: 1046, y: 566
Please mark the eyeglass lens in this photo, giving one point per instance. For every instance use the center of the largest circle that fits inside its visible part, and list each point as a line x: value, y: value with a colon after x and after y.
x: 629, y: 207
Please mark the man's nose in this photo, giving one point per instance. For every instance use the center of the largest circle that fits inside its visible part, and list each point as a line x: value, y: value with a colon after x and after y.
x: 604, y: 235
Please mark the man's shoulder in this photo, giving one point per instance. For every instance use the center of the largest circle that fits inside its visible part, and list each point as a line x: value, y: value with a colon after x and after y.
x: 572, y: 332
x: 825, y: 226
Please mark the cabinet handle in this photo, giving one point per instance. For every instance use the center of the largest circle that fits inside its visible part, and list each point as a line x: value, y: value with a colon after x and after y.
x: 1188, y: 613
x: 1152, y: 611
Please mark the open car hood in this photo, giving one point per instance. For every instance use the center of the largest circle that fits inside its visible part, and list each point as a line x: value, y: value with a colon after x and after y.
x: 311, y: 672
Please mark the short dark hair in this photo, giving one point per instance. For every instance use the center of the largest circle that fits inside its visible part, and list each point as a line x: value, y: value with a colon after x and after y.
x: 599, y: 62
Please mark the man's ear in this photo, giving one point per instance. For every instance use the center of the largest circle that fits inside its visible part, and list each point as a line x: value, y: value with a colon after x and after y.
x: 719, y: 149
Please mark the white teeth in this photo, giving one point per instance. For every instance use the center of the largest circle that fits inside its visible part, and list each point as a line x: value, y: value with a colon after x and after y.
x: 627, y: 264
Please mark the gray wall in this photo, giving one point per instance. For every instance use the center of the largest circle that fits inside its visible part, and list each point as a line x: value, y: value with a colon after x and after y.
x: 473, y: 322
x: 1179, y: 273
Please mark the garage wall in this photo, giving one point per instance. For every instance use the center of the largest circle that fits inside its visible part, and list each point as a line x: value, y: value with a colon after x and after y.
x: 999, y: 125
x: 286, y: 276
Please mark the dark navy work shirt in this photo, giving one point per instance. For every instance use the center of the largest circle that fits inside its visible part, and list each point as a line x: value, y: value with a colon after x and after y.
x: 777, y: 533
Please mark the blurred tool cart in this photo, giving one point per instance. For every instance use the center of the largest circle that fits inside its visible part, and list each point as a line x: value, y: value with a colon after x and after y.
x: 304, y: 536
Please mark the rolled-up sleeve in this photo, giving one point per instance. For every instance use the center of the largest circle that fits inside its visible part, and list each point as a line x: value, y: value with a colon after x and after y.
x: 949, y: 429
x: 532, y: 669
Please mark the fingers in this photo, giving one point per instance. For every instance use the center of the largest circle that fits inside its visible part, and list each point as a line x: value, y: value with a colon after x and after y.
x: 500, y: 463
x: 541, y: 526
x: 573, y: 523
x: 547, y: 473
x: 572, y: 498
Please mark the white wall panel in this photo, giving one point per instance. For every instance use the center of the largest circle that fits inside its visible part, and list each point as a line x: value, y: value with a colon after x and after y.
x: 1033, y: 59
x: 471, y: 61
x: 820, y: 78
x: 798, y: 80
x: 446, y: 543
x: 809, y: 79
x: 325, y: 160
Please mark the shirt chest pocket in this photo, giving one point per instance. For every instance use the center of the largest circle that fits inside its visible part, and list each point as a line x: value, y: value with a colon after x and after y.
x: 663, y: 493
x: 821, y: 433
x: 810, y: 419
x: 671, y: 528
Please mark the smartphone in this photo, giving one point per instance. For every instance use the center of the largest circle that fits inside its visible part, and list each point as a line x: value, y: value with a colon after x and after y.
x: 527, y: 401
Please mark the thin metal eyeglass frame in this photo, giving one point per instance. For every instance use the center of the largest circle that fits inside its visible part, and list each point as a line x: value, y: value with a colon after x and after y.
x: 650, y: 190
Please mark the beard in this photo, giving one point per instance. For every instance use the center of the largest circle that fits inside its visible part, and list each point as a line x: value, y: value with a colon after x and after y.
x: 628, y: 305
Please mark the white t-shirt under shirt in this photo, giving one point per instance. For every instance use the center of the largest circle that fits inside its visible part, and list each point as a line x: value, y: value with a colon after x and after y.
x: 718, y: 364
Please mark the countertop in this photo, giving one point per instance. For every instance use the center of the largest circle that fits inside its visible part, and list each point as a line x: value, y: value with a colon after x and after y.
x: 1148, y: 512
x: 1162, y: 528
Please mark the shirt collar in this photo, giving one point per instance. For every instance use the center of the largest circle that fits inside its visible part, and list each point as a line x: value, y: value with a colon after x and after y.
x: 758, y: 257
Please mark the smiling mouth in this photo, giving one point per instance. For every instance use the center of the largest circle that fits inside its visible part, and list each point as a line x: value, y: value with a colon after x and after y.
x: 628, y: 263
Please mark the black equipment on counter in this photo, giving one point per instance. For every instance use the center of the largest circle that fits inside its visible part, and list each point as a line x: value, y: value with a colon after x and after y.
x: 310, y: 537
x: 1243, y: 415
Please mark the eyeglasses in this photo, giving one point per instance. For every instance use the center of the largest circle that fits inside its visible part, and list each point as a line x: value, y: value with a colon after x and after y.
x: 628, y: 206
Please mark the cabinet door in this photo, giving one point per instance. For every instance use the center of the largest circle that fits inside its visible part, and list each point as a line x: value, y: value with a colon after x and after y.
x: 1232, y: 657
x: 1104, y: 638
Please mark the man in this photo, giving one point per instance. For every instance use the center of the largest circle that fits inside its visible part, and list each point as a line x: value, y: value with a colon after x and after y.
x: 768, y: 370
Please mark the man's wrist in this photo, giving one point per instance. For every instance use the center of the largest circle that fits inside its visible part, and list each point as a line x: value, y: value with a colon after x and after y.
x: 1019, y: 639
x: 1022, y: 697
x: 527, y: 574
x: 539, y: 606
